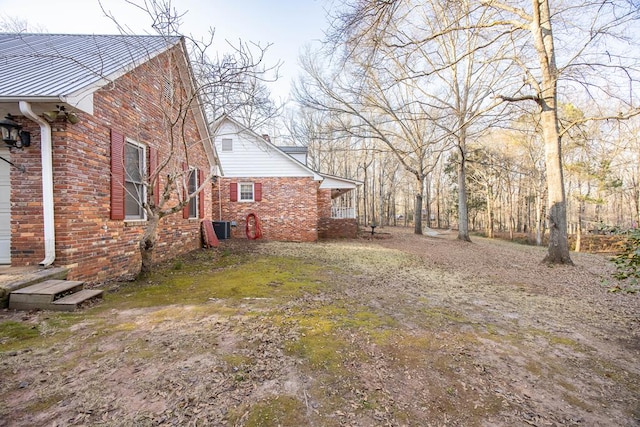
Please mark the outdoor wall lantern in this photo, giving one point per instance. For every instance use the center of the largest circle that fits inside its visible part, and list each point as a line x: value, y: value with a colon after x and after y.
x: 12, y: 134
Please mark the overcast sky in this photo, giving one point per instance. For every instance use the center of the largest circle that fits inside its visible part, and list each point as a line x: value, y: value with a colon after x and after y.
x: 287, y: 24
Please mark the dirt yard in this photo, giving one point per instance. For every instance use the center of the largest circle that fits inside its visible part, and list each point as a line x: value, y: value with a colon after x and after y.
x: 395, y: 330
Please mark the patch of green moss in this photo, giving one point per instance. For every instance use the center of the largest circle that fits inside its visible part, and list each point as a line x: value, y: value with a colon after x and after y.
x: 279, y: 411
x: 228, y: 259
x: 368, y: 321
x: 319, y: 343
x: 411, y: 350
x: 608, y: 369
x: 557, y: 340
x: 175, y: 313
x: 16, y: 334
x: 575, y: 401
x: 567, y: 386
x: 534, y: 368
x: 139, y: 349
x: 45, y: 402
x: 440, y: 315
x: 53, y: 329
x: 125, y: 327
x: 267, y: 277
x: 322, y: 340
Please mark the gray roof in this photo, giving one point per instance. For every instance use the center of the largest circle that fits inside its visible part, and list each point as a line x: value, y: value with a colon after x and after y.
x: 293, y: 149
x: 56, y: 65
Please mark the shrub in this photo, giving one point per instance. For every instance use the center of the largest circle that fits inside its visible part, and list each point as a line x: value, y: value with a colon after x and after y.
x: 628, y: 264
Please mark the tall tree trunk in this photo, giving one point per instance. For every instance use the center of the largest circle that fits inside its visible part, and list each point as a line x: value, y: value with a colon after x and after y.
x: 463, y: 214
x: 558, y: 252
x: 418, y: 215
x: 438, y: 220
x: 427, y: 193
x: 635, y: 196
x: 365, y: 198
x: 489, y: 214
x: 539, y: 219
x: 512, y: 220
x: 581, y: 208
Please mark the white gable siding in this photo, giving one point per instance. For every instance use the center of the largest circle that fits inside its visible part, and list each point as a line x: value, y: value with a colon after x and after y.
x: 251, y: 156
x: 301, y: 157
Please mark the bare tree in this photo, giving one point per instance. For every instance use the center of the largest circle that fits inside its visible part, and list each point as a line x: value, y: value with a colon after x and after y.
x: 12, y: 24
x: 598, y: 71
x: 436, y: 49
x: 598, y: 50
x: 367, y: 104
x: 195, y: 85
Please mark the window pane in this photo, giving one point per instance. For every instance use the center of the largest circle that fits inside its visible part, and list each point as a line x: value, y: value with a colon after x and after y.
x: 193, y: 186
x: 133, y: 163
x: 246, y: 191
x: 135, y: 190
x: 133, y: 200
x: 193, y: 181
x: 227, y: 144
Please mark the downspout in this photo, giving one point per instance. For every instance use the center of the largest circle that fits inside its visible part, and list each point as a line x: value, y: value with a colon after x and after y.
x: 220, y: 200
x: 47, y: 184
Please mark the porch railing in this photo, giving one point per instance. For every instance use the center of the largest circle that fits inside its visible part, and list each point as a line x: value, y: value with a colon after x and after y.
x: 342, y: 212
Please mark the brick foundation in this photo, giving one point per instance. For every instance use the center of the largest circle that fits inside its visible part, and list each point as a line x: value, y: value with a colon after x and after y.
x: 337, y: 228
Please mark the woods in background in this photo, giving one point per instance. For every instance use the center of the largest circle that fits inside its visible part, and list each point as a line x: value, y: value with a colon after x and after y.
x: 487, y: 116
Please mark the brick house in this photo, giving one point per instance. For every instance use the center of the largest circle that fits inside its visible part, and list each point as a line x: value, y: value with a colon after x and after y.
x: 96, y: 110
x: 292, y: 201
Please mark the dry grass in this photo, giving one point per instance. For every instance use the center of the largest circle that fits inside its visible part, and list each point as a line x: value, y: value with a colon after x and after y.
x: 405, y: 330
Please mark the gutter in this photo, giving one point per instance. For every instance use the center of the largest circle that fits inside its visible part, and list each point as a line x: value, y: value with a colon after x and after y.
x: 46, y: 154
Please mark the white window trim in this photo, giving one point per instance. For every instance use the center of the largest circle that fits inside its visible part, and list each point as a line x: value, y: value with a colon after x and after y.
x: 253, y: 192
x: 137, y: 218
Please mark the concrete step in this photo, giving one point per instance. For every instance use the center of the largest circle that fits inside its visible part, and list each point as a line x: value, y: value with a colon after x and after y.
x: 42, y: 295
x: 73, y: 301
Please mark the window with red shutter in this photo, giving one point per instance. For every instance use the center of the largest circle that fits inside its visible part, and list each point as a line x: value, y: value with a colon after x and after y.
x: 128, y: 181
x: 233, y: 192
x: 117, y: 175
x: 257, y: 191
x: 245, y: 191
x: 135, y: 183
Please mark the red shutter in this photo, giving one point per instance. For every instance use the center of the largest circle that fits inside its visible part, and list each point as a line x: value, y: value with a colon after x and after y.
x: 201, y: 194
x: 153, y: 164
x: 185, y: 210
x: 117, y: 175
x: 233, y: 191
x: 257, y: 191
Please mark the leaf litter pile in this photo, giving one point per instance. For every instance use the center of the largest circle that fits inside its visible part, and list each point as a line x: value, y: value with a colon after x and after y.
x: 399, y: 330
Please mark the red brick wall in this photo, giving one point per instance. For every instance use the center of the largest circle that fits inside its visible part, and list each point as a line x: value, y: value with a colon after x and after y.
x: 324, y: 203
x: 87, y: 240
x: 337, y: 228
x: 287, y: 212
